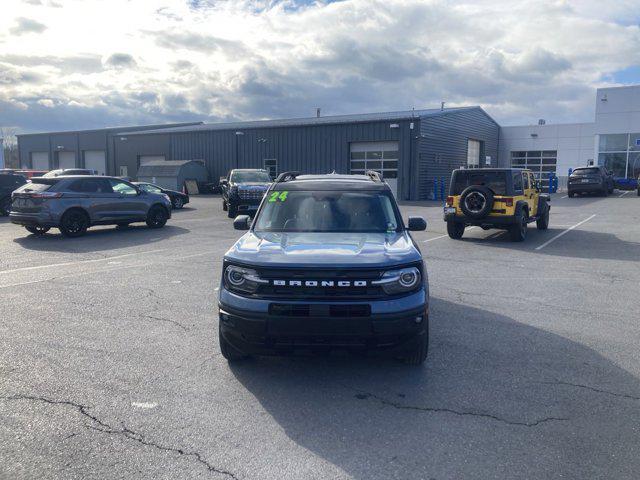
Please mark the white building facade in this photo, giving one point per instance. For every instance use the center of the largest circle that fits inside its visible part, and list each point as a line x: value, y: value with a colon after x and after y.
x: 612, y: 140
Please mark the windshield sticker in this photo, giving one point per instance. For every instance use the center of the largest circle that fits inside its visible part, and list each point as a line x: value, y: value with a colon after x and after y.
x: 278, y: 196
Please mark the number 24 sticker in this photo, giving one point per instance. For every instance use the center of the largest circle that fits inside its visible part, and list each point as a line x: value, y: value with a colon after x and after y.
x: 278, y: 196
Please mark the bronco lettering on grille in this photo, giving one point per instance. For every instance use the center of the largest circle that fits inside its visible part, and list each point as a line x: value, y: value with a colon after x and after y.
x: 322, y: 283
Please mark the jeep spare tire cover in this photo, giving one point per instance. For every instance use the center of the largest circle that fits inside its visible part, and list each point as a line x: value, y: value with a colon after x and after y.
x: 476, y: 201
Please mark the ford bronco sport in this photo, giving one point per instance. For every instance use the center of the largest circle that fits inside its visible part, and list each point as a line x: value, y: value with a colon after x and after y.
x: 504, y: 198
x: 327, y: 263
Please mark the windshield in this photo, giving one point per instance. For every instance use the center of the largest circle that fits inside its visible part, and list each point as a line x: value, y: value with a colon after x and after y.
x: 586, y: 171
x: 247, y: 177
x: 495, y: 181
x: 327, y: 211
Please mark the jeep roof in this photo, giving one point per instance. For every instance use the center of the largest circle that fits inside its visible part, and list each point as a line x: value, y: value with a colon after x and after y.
x: 330, y: 181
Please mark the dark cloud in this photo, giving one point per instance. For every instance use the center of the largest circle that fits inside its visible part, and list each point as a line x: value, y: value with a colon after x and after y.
x: 121, y: 60
x: 12, y: 76
x: 71, y: 64
x: 200, y: 43
x: 27, y: 25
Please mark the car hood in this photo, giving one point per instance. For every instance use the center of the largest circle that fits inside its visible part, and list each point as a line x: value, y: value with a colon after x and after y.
x: 324, y: 249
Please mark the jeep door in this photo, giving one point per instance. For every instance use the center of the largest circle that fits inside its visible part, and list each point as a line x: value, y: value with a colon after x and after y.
x: 533, y: 208
x: 529, y: 192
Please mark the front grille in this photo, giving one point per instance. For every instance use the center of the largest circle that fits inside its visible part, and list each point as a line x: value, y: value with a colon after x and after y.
x: 251, y: 194
x: 319, y: 291
x: 319, y: 310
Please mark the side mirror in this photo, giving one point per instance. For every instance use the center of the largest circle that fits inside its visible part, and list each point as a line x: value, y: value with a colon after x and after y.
x: 242, y: 222
x: 417, y: 224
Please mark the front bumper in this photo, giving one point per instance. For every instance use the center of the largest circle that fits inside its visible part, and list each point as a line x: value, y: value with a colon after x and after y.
x: 247, y: 325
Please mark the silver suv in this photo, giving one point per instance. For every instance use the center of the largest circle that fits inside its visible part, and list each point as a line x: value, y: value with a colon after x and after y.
x: 75, y: 203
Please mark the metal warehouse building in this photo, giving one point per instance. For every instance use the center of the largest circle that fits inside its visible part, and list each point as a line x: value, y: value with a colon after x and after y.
x: 410, y: 148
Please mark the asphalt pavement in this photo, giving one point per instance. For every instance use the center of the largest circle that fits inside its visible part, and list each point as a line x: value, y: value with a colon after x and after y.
x: 110, y: 365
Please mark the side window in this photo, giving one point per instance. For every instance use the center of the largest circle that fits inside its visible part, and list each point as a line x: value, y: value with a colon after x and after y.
x: 122, y: 187
x: 517, y: 183
x: 150, y: 188
x: 526, y: 180
x: 90, y: 185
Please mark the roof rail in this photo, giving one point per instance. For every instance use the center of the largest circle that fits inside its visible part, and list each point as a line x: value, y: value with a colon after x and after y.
x: 286, y: 177
x: 373, y: 175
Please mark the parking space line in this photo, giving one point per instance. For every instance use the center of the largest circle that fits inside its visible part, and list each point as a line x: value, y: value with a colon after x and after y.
x: 564, y: 232
x: 564, y: 197
x: 79, y: 262
x: 623, y: 194
x: 441, y: 236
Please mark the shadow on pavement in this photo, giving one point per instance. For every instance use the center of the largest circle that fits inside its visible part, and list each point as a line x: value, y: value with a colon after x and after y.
x: 575, y: 244
x: 99, y: 239
x: 496, y: 399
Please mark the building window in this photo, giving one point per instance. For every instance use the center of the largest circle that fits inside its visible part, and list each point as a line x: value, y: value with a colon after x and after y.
x: 541, y: 162
x: 271, y: 166
x: 473, y: 153
x: 620, y: 153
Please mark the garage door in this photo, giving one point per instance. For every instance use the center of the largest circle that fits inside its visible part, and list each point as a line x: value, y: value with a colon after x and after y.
x: 66, y: 159
x: 95, y: 160
x: 379, y: 156
x: 151, y: 158
x: 40, y: 160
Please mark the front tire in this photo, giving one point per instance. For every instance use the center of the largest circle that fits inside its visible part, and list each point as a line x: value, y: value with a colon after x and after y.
x: 74, y: 223
x: 233, y: 211
x: 455, y: 229
x: 178, y: 203
x: 543, y: 222
x: 418, y: 353
x: 518, y: 231
x: 231, y: 353
x: 224, y: 206
x: 36, y: 229
x: 157, y: 217
x: 571, y: 194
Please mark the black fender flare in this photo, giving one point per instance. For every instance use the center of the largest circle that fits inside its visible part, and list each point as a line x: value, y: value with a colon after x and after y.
x: 522, y: 206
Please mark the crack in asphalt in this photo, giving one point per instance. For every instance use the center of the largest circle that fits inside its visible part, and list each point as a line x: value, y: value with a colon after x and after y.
x: 593, y: 389
x: 462, y: 413
x: 126, y: 432
x: 167, y: 320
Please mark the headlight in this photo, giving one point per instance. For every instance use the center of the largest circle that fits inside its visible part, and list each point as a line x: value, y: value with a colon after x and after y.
x: 242, y: 279
x: 399, y: 281
x: 166, y: 197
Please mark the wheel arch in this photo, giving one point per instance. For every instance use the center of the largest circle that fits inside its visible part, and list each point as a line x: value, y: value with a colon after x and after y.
x: 76, y: 208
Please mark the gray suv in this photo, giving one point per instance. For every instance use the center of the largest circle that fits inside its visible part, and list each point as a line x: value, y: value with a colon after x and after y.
x: 327, y: 264
x: 75, y: 203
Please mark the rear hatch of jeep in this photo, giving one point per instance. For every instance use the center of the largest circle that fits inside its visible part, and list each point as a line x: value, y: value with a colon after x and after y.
x: 494, y: 180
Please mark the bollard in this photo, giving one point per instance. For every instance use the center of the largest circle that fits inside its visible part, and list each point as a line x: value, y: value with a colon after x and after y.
x: 442, y: 188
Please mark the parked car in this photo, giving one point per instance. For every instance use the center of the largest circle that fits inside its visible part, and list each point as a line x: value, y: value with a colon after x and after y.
x: 243, y: 189
x: 69, y: 171
x: 327, y: 264
x: 178, y: 199
x: 595, y: 179
x: 9, y: 181
x: 505, y: 198
x: 75, y: 203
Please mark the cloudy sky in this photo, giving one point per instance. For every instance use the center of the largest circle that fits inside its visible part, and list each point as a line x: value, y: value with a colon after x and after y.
x: 73, y: 64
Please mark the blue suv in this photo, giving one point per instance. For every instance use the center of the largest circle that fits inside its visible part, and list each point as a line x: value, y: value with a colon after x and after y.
x: 327, y: 264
